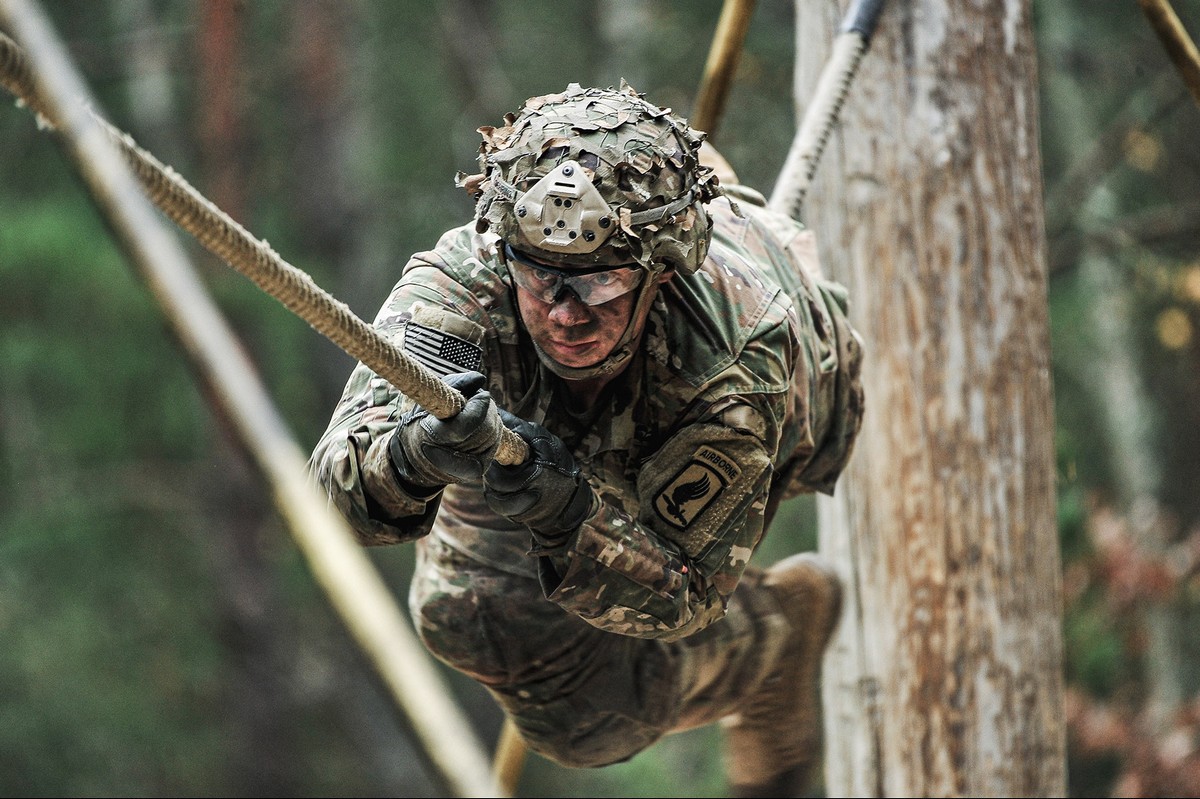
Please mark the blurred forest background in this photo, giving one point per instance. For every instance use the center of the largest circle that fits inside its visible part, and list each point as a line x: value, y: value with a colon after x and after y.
x: 161, y: 635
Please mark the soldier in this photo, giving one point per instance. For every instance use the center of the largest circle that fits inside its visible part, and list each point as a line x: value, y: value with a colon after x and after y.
x: 677, y: 366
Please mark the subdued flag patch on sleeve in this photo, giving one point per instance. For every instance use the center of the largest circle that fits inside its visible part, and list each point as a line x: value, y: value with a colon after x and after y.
x: 696, y: 486
x: 442, y: 352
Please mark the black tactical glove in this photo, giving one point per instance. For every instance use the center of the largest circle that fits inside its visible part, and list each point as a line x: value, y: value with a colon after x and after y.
x: 427, y: 452
x: 546, y: 493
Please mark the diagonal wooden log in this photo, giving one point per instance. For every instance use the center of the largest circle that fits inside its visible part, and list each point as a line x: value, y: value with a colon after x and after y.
x: 723, y: 57
x: 446, y: 741
x: 1175, y: 40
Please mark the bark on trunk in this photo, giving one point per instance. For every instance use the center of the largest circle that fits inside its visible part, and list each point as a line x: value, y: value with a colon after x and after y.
x: 945, y: 677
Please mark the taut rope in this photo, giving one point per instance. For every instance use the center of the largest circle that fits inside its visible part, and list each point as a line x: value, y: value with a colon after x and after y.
x: 854, y: 37
x: 221, y: 235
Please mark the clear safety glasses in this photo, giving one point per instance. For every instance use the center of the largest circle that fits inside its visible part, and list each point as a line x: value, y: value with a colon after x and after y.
x: 593, y: 285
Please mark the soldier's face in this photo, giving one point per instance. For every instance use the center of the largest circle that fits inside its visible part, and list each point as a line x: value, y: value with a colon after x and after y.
x: 577, y: 335
x: 574, y: 334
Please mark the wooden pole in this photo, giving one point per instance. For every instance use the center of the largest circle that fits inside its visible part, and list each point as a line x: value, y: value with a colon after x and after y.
x: 1175, y: 39
x: 445, y: 739
x: 723, y: 57
x: 945, y: 676
x: 509, y: 760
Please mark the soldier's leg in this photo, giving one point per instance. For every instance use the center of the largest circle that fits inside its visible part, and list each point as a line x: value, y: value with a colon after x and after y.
x: 584, y: 697
x: 580, y: 696
x: 722, y: 663
x: 773, y: 737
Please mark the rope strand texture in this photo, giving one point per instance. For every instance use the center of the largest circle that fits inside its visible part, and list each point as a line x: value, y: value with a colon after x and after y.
x: 221, y: 235
x: 818, y: 124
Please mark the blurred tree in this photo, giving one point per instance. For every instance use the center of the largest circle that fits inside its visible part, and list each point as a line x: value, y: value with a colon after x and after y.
x: 1120, y: 204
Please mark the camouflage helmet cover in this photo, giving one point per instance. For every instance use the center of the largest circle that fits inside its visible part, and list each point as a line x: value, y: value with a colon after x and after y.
x: 639, y: 189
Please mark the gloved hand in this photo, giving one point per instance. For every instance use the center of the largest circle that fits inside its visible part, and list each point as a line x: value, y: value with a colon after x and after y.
x: 546, y: 492
x: 427, y: 452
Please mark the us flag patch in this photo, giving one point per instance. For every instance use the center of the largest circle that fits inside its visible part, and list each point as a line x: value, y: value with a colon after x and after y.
x: 695, y: 487
x: 442, y: 352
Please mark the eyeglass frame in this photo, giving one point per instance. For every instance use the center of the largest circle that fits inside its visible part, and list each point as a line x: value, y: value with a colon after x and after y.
x: 567, y: 278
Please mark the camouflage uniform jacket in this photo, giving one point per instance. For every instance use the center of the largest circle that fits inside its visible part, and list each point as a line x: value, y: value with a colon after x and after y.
x: 746, y: 385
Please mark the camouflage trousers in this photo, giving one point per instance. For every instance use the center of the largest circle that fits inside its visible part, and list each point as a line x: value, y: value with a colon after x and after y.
x: 581, y: 696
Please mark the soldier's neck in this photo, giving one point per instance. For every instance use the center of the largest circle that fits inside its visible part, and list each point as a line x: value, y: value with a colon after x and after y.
x: 583, y: 394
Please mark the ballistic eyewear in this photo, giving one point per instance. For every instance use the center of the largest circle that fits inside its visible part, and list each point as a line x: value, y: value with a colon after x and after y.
x: 593, y: 285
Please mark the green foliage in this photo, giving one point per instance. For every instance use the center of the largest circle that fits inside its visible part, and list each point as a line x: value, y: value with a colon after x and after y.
x: 1097, y: 658
x: 101, y: 590
x: 103, y: 669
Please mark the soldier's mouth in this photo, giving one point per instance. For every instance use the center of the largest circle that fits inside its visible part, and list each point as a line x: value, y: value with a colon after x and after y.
x: 569, y: 350
x: 572, y: 346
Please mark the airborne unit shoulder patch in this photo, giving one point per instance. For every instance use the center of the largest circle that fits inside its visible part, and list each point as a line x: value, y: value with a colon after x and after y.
x: 695, y: 487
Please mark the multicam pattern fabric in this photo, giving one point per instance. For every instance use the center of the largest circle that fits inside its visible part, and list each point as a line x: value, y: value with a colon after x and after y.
x: 745, y: 391
x: 748, y: 363
x: 641, y: 157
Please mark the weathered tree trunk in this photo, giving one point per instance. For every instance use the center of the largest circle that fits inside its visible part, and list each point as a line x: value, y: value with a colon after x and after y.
x: 945, y: 677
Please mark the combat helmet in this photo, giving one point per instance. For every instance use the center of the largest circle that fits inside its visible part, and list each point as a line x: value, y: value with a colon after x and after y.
x: 593, y: 177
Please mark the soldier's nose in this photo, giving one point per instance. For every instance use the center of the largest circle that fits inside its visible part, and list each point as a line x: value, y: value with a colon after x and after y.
x: 568, y: 309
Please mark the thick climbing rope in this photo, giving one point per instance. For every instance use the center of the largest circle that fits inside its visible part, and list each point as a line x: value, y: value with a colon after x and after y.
x: 849, y: 47
x: 221, y: 235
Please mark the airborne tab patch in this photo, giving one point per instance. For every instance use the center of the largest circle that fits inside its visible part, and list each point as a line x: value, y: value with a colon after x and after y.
x: 695, y: 487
